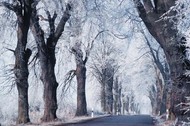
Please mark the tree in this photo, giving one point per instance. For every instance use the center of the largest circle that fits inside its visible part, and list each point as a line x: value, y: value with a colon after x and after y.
x: 46, y: 56
x: 80, y: 73
x: 162, y: 26
x: 104, y: 68
x: 22, y: 9
x: 80, y: 59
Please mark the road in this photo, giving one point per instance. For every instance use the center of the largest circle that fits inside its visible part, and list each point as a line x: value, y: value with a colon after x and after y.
x: 124, y: 120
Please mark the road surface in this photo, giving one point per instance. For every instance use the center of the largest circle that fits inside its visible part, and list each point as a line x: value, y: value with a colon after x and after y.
x: 124, y: 120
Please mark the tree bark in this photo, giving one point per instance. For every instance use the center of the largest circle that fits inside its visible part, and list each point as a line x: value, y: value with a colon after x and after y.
x: 81, y: 97
x: 21, y: 78
x: 109, y: 88
x: 102, y: 97
x: 81, y: 79
x: 165, y: 32
x: 47, y: 59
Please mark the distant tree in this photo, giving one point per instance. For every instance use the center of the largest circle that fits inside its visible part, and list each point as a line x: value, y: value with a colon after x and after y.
x: 161, y: 67
x: 104, y: 68
x: 46, y: 56
x: 128, y: 102
x: 161, y: 23
x: 22, y: 9
x: 80, y: 59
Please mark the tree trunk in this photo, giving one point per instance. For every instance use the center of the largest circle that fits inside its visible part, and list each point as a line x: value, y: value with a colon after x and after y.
x: 21, y: 75
x: 109, y: 89
x: 102, y: 97
x: 81, y: 97
x: 50, y: 85
x: 165, y: 32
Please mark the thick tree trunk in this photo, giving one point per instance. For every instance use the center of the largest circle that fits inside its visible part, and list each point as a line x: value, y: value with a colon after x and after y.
x: 165, y: 32
x: 50, y: 85
x: 81, y: 97
x: 109, y: 90
x: 21, y: 76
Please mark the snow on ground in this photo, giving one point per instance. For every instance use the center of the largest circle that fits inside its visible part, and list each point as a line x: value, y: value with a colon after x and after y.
x: 161, y: 121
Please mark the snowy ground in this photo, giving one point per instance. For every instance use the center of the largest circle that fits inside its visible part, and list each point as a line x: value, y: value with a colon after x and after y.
x: 161, y: 121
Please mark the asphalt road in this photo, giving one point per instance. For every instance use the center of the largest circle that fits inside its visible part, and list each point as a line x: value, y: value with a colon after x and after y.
x: 124, y: 120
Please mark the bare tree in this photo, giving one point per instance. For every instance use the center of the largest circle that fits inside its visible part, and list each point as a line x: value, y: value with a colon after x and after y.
x: 160, y: 67
x: 162, y: 26
x: 81, y: 79
x: 81, y: 58
x: 46, y: 56
x: 104, y: 68
x: 22, y: 9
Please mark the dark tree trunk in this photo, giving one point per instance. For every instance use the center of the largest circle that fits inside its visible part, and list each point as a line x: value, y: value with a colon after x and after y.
x: 102, y: 97
x: 109, y: 88
x: 50, y: 84
x: 103, y: 89
x: 21, y: 76
x: 165, y: 32
x: 46, y: 55
x: 81, y: 79
x: 81, y: 97
x: 117, y: 97
x: 109, y: 98
x: 22, y: 55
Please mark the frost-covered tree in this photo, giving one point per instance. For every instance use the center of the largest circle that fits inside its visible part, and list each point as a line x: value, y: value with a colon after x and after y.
x: 161, y: 74
x: 46, y: 55
x: 22, y: 9
x: 104, y: 68
x: 160, y: 19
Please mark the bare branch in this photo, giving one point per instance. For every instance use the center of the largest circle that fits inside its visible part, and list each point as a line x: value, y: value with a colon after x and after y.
x: 69, y: 76
x: 42, y: 18
x: 34, y: 58
x: 10, y: 50
x: 61, y: 25
x: 90, y: 46
x: 9, y: 6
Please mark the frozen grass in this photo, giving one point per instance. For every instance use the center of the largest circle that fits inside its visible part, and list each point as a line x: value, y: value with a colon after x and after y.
x: 161, y: 121
x: 66, y: 115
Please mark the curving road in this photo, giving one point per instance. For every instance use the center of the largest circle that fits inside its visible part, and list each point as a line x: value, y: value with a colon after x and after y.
x: 123, y: 120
